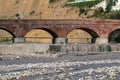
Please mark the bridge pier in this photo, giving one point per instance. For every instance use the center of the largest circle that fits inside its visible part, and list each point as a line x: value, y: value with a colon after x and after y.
x: 19, y: 40
x: 102, y: 40
x: 61, y: 40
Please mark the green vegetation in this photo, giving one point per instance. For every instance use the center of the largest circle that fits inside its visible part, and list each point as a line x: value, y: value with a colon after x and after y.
x: 71, y: 0
x: 17, y: 16
x: 85, y: 7
x: 113, y: 15
x: 110, y: 3
x: 100, y: 13
x: 6, y: 40
x: 52, y: 1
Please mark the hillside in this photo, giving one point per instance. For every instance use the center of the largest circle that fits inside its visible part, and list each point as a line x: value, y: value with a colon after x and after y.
x: 33, y: 9
x: 43, y: 9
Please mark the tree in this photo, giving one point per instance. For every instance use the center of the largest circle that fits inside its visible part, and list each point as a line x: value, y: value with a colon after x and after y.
x: 109, y: 5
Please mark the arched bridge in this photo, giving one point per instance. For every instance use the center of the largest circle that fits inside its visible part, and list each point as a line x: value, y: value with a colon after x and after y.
x: 101, y: 31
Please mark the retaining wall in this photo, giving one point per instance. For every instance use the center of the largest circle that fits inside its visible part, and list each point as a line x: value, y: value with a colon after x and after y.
x: 23, y: 48
x: 29, y: 48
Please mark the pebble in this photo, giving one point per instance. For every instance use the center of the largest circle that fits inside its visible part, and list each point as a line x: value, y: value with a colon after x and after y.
x: 64, y: 70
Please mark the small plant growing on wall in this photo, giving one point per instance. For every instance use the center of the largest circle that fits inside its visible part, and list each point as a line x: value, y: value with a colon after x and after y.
x: 17, y: 16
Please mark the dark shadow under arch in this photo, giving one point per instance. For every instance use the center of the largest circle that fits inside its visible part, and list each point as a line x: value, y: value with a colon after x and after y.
x: 50, y: 32
x: 114, y: 36
x: 91, y: 32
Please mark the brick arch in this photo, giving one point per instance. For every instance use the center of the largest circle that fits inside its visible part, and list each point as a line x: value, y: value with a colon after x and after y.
x: 114, y: 36
x: 45, y: 29
x: 8, y: 30
x: 113, y: 29
x: 49, y: 31
x: 93, y: 33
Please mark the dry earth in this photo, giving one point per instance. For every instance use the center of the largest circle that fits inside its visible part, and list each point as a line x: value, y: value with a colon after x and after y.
x: 30, y: 9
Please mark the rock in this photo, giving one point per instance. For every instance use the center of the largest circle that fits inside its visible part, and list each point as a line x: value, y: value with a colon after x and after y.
x: 13, y: 78
x: 1, y: 59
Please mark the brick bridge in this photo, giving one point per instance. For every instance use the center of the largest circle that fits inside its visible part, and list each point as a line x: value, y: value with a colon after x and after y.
x: 102, y: 31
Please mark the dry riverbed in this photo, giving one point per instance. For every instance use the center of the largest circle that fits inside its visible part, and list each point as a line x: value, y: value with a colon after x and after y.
x: 61, y: 66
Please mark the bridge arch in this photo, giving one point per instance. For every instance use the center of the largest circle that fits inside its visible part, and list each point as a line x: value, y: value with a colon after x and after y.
x: 41, y: 35
x: 114, y: 36
x: 6, y: 35
x: 82, y: 35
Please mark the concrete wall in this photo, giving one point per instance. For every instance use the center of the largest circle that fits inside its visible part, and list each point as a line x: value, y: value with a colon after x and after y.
x: 30, y: 48
x: 26, y: 48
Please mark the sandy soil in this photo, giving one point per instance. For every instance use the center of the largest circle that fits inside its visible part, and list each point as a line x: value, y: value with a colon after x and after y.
x: 33, y: 9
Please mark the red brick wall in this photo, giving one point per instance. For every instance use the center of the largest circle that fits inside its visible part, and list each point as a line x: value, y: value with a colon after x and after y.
x: 60, y: 28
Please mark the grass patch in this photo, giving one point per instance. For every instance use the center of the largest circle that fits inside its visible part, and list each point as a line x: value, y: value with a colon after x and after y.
x: 5, y: 40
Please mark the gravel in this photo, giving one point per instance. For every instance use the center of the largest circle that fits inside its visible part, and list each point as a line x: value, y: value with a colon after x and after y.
x: 60, y: 66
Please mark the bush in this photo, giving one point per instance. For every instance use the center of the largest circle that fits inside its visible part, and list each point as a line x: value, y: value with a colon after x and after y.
x: 99, y: 13
x: 5, y: 40
x: 84, y: 6
x: 82, y: 10
x: 101, y: 9
x: 71, y: 0
x: 52, y: 1
x: 113, y: 15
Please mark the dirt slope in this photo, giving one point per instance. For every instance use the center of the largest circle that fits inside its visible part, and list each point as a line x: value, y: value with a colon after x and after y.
x: 31, y: 9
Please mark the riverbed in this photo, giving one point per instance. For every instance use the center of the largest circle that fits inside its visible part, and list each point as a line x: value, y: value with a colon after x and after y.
x: 61, y: 66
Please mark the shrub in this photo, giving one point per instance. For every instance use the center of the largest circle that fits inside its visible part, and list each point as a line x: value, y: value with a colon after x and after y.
x: 71, y: 0
x: 84, y: 6
x: 82, y: 10
x: 5, y: 40
x: 52, y: 1
x: 99, y: 13
x: 113, y: 15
